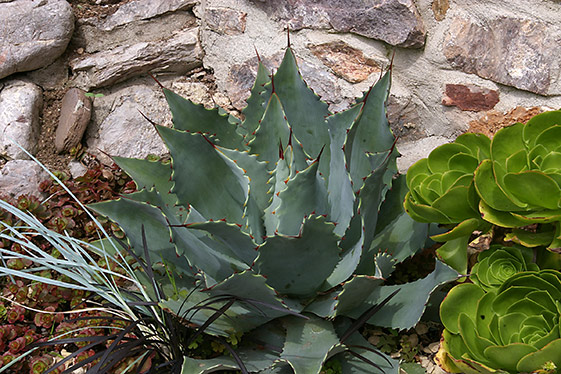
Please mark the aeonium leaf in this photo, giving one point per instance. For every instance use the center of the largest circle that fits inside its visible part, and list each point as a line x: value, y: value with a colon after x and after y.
x: 490, y: 191
x: 501, y: 218
x: 463, y: 162
x: 549, y: 353
x: 458, y: 202
x: 420, y: 167
x: 551, y: 163
x: 517, y: 162
x: 454, y: 253
x: 464, y: 228
x: 534, y: 188
x: 478, y: 144
x: 463, y: 298
x: 550, y: 138
x: 424, y: 213
x: 508, y: 356
x: 475, y: 343
x: 439, y: 158
x: 538, y: 124
x: 506, y: 142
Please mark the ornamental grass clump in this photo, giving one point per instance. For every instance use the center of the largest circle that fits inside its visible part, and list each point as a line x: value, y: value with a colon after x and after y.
x: 292, y: 218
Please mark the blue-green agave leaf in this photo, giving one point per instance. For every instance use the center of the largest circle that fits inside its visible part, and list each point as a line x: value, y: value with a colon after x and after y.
x: 393, y: 314
x: 370, y: 133
x: 258, y: 198
x: 272, y: 131
x: 285, y: 260
x: 304, y: 110
x: 256, y: 103
x: 308, y: 343
x: 191, y: 117
x: 305, y: 194
x: 218, y: 190
x: 341, y: 196
x: 231, y: 236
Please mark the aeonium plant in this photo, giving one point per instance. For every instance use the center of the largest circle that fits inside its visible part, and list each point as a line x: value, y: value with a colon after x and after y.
x: 510, y: 329
x: 441, y: 190
x: 495, y: 265
x: 520, y: 183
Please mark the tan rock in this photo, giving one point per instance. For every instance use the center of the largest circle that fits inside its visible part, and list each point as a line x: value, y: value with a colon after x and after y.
x: 439, y: 9
x: 74, y: 117
x: 346, y: 62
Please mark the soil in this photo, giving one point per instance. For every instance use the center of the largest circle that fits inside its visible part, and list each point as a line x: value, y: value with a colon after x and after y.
x: 52, y: 98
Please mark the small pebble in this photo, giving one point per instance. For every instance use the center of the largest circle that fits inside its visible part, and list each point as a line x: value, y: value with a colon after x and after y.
x: 434, y: 347
x: 421, y: 328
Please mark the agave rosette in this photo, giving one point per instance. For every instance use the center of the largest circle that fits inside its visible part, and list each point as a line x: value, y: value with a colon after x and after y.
x: 441, y: 190
x: 520, y: 184
x: 281, y: 211
x: 511, y: 329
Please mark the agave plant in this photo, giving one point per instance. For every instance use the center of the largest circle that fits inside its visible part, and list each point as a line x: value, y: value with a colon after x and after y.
x: 294, y: 213
x: 441, y: 190
x: 510, y: 329
x: 520, y: 183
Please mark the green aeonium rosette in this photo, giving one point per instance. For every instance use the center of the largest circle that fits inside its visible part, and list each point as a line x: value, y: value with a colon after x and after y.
x: 497, y: 264
x: 511, y: 329
x: 441, y: 190
x: 520, y: 184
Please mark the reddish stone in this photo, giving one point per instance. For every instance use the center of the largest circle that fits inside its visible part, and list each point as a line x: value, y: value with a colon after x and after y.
x: 470, y: 97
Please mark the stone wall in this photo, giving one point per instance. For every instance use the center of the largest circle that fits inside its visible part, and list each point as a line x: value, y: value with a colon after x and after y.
x: 455, y: 62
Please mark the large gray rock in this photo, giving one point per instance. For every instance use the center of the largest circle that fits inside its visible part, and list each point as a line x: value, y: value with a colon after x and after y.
x: 118, y: 127
x: 178, y: 54
x: 20, y: 103
x: 396, y: 22
x: 20, y: 177
x: 516, y: 52
x: 137, y: 10
x: 33, y: 34
x: 94, y: 36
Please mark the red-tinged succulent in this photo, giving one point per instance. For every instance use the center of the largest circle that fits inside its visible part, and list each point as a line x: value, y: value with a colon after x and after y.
x: 15, y: 314
x: 40, y: 364
x: 17, y: 344
x: 47, y: 319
